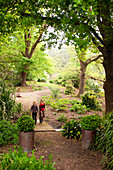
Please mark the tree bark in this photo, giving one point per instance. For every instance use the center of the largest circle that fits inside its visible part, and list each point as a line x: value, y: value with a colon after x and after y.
x: 23, y: 79
x: 83, y: 66
x: 82, y: 77
x: 108, y: 85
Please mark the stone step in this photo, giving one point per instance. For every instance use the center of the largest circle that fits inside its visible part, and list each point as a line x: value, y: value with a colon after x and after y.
x: 43, y: 127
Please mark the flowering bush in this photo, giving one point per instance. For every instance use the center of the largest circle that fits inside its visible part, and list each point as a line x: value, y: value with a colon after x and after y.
x: 72, y: 129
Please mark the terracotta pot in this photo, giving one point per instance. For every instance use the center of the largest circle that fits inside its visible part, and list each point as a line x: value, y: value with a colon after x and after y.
x: 26, y: 141
x: 87, y: 138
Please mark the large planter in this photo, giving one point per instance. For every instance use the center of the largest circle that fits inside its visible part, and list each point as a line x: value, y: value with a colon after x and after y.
x: 26, y: 141
x: 87, y: 138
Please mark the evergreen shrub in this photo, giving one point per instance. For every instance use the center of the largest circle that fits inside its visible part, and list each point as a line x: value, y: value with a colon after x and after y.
x: 89, y: 99
x: 69, y: 89
x: 26, y: 123
x: 9, y: 132
x: 7, y: 103
x: 90, y: 122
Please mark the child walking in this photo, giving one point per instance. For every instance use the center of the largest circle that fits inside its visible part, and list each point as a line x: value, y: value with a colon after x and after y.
x: 34, y: 111
x: 41, y: 110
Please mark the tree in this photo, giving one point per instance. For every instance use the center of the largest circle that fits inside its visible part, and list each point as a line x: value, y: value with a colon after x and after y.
x: 29, y: 52
x: 90, y: 21
x: 13, y: 62
x: 86, y: 21
x: 83, y: 66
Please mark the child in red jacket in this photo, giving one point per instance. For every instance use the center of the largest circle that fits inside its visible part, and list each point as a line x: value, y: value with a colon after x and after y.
x: 41, y: 110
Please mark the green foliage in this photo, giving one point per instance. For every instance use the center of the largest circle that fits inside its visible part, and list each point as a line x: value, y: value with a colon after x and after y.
x: 79, y: 108
x: 69, y: 89
x: 104, y: 141
x: 54, y: 91
x: 13, y: 54
x: 48, y: 99
x: 69, y: 76
x: 90, y: 122
x: 26, y: 123
x: 7, y: 103
x: 18, y: 160
x: 62, y: 117
x: 90, y: 100
x: 8, y: 132
x: 72, y: 129
x: 74, y: 101
x: 59, y: 105
x: 91, y: 85
x: 18, y: 107
x: 51, y: 81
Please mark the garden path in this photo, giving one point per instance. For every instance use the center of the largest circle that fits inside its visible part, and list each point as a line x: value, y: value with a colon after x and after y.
x: 67, y: 153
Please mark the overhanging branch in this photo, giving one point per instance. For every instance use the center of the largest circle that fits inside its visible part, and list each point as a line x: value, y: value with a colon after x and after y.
x: 94, y: 78
x: 96, y: 35
x: 90, y: 60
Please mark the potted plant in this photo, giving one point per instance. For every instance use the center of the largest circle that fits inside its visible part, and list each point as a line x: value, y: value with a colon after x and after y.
x: 89, y: 125
x: 26, y: 127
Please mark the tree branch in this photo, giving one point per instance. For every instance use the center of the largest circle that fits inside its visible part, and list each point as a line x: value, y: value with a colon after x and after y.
x: 23, y: 54
x: 96, y: 43
x: 27, y: 43
x: 90, y: 60
x: 37, y: 42
x: 94, y: 78
x: 96, y: 35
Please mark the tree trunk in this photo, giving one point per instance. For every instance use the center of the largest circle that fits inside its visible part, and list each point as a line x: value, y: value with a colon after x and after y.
x: 23, y: 78
x: 82, y: 77
x: 108, y: 85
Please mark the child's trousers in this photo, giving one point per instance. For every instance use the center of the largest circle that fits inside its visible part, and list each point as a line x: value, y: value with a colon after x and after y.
x: 34, y: 116
x: 41, y: 116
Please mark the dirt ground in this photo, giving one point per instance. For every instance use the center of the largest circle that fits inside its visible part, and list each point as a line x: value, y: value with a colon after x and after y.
x: 67, y: 153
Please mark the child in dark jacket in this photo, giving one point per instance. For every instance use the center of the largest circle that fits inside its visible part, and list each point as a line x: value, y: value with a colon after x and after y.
x: 34, y: 111
x: 41, y: 110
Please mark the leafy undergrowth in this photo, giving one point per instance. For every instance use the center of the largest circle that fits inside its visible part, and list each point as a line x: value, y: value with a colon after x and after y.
x: 58, y: 105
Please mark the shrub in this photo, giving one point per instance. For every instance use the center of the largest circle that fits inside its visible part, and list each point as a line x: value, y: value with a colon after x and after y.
x: 62, y: 118
x: 18, y: 107
x: 89, y: 99
x: 59, y: 105
x: 74, y: 101
x: 90, y: 122
x: 25, y: 123
x: 104, y: 141
x: 69, y: 89
x: 19, y: 160
x: 6, y: 102
x: 91, y: 85
x: 51, y: 81
x: 54, y: 91
x: 63, y: 83
x: 72, y: 129
x: 78, y: 108
x: 8, y: 132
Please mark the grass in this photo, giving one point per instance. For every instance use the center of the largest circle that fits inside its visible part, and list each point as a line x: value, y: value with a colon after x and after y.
x: 42, y: 84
